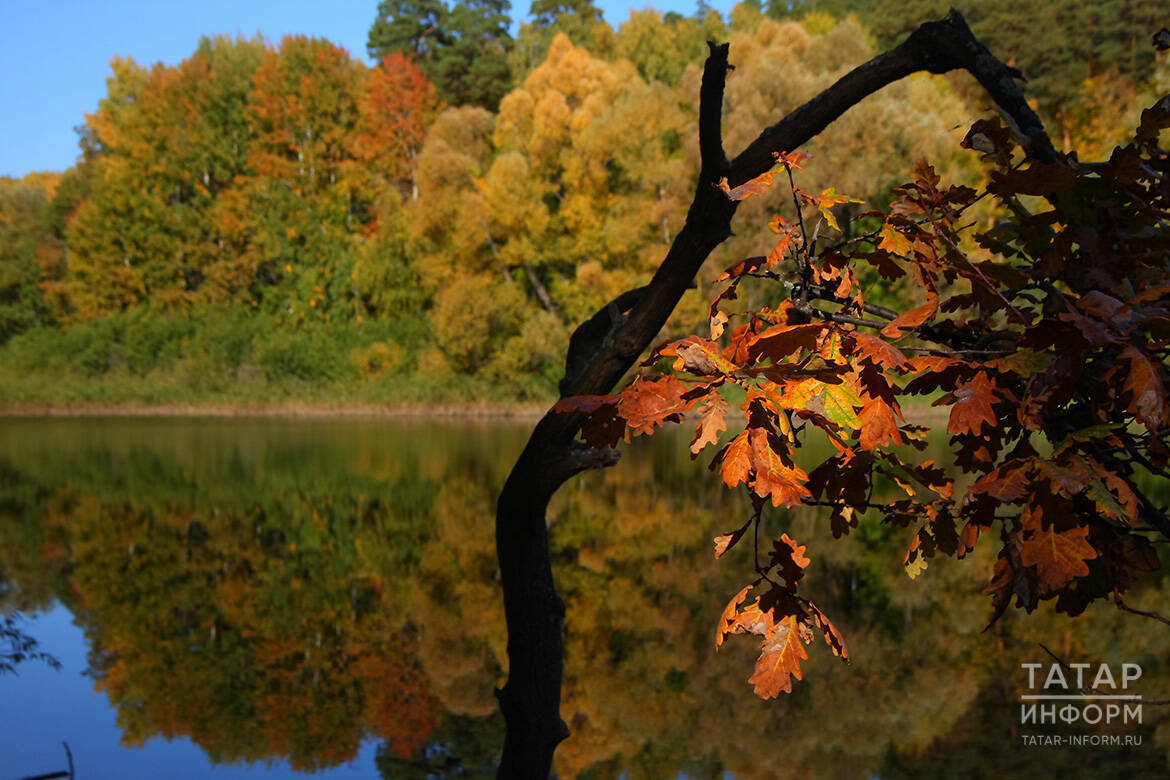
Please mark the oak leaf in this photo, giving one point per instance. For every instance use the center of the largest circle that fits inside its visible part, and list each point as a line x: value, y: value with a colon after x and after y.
x: 781, y: 341
x: 734, y: 461
x: 973, y: 409
x: 1059, y: 556
x: 908, y: 320
x: 784, y: 483
x: 712, y: 421
x: 725, y: 542
x: 728, y: 621
x: 789, y: 558
x: 879, y: 352
x: 893, y: 241
x: 649, y: 403
x: 1147, y: 394
x: 877, y: 425
x: 750, y: 187
x: 833, y: 637
x: 780, y: 655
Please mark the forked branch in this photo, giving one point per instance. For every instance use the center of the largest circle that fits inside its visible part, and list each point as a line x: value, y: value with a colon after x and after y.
x: 530, y: 700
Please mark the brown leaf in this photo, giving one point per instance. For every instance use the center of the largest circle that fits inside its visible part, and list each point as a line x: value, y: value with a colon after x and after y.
x: 973, y: 409
x: 913, y: 318
x: 833, y: 637
x: 967, y: 538
x: 780, y: 655
x: 842, y: 519
x: 878, y: 425
x: 748, y: 188
x: 725, y: 542
x: 649, y: 403
x: 699, y: 356
x: 1147, y: 394
x: 712, y: 421
x: 728, y: 621
x: 586, y: 404
x: 604, y: 428
x: 783, y: 482
x: 789, y: 558
x: 780, y: 341
x: 879, y: 352
x: 1059, y: 557
x: 734, y: 461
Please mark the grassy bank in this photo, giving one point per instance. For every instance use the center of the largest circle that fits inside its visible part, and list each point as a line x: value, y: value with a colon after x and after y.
x: 237, y: 361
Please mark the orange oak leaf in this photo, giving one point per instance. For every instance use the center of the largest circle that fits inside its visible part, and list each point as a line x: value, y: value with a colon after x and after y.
x: 789, y: 558
x: 780, y: 341
x: 736, y: 270
x: 879, y: 352
x: 877, y: 425
x: 973, y: 410
x: 797, y: 394
x: 725, y: 542
x: 784, y: 483
x: 913, y: 318
x: 780, y: 655
x: 1006, y: 484
x: 734, y: 461
x: 748, y: 188
x: 1147, y: 394
x: 649, y: 403
x: 717, y: 322
x: 893, y: 241
x: 1059, y: 556
x: 791, y: 159
x: 699, y: 356
x: 728, y: 620
x: 833, y: 637
x: 752, y: 619
x: 789, y: 237
x: 713, y: 420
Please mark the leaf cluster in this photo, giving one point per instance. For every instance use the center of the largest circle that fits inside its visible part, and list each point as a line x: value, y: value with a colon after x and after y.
x: 1044, y: 337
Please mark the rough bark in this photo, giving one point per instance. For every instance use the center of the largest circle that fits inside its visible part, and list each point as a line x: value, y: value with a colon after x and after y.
x: 605, y: 347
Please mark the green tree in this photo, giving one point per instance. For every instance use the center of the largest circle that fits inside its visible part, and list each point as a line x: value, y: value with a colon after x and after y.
x: 461, y: 48
x: 29, y: 253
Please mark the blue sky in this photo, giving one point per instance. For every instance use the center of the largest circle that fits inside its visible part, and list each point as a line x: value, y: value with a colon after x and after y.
x: 54, y: 53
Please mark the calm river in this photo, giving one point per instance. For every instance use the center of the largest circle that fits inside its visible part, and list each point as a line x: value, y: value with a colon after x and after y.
x: 268, y: 597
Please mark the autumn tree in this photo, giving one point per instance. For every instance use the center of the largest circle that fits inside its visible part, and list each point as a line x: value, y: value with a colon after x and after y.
x: 1068, y: 519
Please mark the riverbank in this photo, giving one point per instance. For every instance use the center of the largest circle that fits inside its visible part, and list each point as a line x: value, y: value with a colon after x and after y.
x: 517, y: 411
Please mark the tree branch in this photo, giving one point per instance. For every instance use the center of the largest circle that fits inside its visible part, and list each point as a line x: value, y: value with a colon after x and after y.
x: 530, y: 700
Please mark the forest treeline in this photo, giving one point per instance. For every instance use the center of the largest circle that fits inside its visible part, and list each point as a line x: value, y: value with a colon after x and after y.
x: 265, y: 222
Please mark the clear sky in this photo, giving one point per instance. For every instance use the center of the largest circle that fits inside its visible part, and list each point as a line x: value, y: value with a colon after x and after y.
x: 54, y: 53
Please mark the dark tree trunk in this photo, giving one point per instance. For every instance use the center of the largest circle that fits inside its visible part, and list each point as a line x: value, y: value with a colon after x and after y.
x: 604, y: 348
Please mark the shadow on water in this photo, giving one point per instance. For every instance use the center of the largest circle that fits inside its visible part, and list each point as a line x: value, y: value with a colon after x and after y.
x: 291, y: 589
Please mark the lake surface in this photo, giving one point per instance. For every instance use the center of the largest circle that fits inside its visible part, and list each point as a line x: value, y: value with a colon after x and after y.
x: 267, y: 597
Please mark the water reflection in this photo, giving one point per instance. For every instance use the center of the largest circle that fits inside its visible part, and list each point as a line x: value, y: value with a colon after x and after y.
x: 277, y: 588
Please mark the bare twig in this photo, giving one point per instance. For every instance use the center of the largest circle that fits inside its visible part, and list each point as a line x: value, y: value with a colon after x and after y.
x: 1126, y: 608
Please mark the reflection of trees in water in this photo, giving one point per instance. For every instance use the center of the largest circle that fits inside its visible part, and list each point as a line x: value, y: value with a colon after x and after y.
x: 270, y: 593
